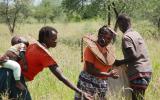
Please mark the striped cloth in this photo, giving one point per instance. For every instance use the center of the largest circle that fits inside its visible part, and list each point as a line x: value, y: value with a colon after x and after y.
x: 92, y: 85
x: 140, y: 83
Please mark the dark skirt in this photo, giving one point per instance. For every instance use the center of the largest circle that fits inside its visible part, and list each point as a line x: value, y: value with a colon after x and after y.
x: 140, y: 83
x: 92, y: 85
x: 8, y: 87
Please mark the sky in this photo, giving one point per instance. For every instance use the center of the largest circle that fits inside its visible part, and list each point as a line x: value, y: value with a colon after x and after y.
x: 37, y: 2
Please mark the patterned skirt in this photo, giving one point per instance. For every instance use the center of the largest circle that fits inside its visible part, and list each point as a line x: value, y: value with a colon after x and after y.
x: 92, y: 85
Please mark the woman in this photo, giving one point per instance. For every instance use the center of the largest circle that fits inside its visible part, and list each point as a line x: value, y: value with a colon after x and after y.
x: 38, y: 58
x: 98, y: 57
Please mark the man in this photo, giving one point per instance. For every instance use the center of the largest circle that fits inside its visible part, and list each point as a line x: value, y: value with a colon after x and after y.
x: 139, y: 68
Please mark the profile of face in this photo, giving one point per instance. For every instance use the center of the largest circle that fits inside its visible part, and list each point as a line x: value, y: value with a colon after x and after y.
x: 48, y: 36
x: 51, y: 41
x: 123, y: 22
x: 122, y: 27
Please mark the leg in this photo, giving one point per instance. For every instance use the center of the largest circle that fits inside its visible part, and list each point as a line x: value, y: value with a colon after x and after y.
x: 92, y: 85
x: 139, y: 86
x: 138, y: 94
x: 84, y: 83
x: 20, y: 94
x: 102, y: 91
x: 7, y: 86
x: 79, y: 97
x: 4, y: 82
x: 15, y: 67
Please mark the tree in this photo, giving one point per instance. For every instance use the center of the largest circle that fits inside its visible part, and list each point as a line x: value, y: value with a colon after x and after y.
x: 152, y: 12
x: 47, y: 10
x: 12, y: 11
x: 43, y: 11
x: 102, y: 8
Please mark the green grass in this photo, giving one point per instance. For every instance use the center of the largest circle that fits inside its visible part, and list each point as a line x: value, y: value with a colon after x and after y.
x: 46, y: 86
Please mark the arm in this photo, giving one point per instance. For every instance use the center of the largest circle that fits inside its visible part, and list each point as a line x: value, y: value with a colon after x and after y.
x: 57, y: 72
x: 3, y: 58
x: 130, y: 58
x: 22, y: 51
x: 24, y: 61
x: 113, y: 73
x: 92, y: 70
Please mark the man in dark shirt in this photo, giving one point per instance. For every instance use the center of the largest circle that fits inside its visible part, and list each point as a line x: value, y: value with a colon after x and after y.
x: 136, y: 58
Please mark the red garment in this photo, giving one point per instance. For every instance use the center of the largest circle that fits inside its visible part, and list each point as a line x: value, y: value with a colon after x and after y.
x: 90, y: 57
x: 37, y: 59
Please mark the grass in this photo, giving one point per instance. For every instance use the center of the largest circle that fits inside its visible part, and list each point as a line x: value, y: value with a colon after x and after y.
x: 67, y: 54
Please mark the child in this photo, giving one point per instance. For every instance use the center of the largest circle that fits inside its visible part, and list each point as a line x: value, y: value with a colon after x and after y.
x: 14, y: 54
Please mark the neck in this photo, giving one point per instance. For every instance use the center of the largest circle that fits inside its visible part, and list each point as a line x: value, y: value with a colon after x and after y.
x: 129, y: 26
x: 126, y: 29
x: 45, y: 45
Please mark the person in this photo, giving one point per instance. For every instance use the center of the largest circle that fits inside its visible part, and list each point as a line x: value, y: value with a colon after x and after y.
x: 139, y: 68
x: 12, y: 55
x: 98, y: 58
x: 38, y: 58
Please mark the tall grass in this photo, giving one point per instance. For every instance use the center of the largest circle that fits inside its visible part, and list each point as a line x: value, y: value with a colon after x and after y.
x: 67, y: 54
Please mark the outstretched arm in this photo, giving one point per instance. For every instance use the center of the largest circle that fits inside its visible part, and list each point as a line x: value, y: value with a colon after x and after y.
x: 57, y: 72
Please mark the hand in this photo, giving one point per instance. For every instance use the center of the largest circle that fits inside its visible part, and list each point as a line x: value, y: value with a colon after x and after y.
x: 117, y: 63
x: 3, y: 59
x: 114, y: 73
x: 87, y: 96
x: 20, y: 86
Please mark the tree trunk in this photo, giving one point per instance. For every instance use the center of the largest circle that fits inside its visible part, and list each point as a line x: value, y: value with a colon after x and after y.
x: 115, y: 10
x: 158, y: 25
x: 116, y: 13
x: 109, y: 15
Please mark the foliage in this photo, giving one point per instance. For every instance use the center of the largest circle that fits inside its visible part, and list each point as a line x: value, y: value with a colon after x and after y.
x: 154, y: 13
x: 92, y: 8
x: 51, y: 11
x: 12, y: 11
x: 47, y: 11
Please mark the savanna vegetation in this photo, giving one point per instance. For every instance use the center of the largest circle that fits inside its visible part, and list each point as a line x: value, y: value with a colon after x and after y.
x: 73, y: 19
